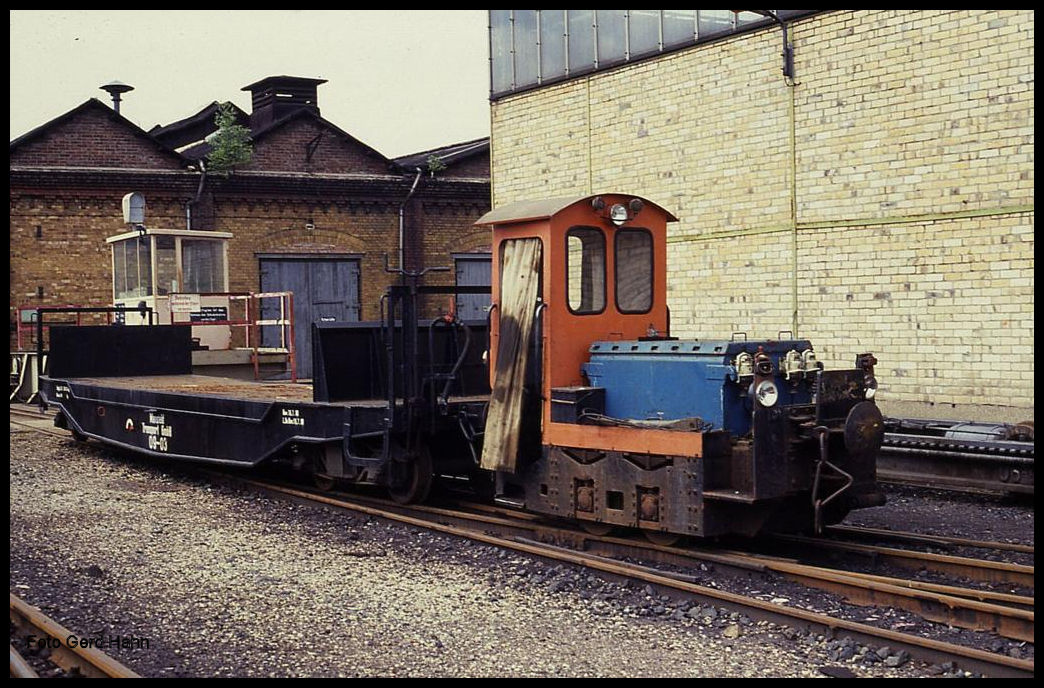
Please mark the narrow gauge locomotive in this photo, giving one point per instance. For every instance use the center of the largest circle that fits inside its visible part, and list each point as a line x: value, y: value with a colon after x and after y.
x: 571, y: 400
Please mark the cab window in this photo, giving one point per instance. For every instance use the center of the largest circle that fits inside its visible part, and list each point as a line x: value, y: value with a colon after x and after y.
x: 585, y: 270
x: 634, y: 270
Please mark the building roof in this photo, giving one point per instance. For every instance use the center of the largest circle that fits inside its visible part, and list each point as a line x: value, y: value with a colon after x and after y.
x: 95, y: 104
x: 194, y: 127
x: 449, y: 155
x: 201, y: 149
x: 258, y: 134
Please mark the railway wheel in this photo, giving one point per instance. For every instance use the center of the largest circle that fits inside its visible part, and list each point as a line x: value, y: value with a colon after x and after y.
x: 482, y: 484
x: 661, y: 537
x: 320, y: 478
x: 411, y: 477
x: 597, y: 527
x: 324, y: 482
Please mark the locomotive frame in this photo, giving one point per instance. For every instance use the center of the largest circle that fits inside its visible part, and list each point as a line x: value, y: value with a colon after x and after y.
x: 578, y: 298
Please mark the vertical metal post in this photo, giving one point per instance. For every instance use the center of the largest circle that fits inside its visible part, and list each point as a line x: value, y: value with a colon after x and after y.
x: 291, y: 337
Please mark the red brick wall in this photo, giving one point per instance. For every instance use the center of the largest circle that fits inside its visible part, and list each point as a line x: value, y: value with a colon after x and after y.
x: 367, y: 229
x: 286, y: 149
x: 71, y: 261
x: 442, y: 229
x: 92, y: 137
x: 279, y: 226
x: 57, y: 243
x: 477, y: 166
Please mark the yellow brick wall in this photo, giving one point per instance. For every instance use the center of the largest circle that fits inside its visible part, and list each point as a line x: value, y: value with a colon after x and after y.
x: 884, y: 202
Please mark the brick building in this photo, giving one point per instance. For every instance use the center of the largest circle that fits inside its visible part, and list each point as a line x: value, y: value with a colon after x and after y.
x: 314, y: 203
x: 879, y: 200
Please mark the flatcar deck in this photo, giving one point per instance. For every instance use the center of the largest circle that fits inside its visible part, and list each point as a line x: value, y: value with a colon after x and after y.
x: 233, y: 388
x: 206, y: 384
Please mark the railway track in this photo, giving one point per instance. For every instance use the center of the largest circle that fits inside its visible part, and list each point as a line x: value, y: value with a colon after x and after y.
x: 1009, y: 614
x: 949, y: 455
x: 73, y: 653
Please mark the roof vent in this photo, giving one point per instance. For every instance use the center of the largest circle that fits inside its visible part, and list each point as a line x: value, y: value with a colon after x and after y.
x: 276, y: 97
x: 116, y: 89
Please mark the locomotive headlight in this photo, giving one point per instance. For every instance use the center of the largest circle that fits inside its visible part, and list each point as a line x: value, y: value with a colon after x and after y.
x: 618, y: 214
x: 744, y: 364
x: 767, y: 393
x: 871, y: 386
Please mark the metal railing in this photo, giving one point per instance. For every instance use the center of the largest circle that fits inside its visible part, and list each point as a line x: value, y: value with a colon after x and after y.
x: 284, y: 321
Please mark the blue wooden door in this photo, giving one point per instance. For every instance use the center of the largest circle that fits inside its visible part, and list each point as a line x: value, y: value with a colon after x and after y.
x: 473, y: 269
x: 325, y: 290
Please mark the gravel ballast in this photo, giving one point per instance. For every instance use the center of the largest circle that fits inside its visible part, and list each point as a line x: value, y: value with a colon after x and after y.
x: 224, y: 581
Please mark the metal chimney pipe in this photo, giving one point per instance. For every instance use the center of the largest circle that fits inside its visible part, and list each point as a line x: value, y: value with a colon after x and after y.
x: 116, y: 89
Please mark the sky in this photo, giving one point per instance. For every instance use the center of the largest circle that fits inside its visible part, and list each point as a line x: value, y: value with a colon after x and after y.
x: 400, y: 81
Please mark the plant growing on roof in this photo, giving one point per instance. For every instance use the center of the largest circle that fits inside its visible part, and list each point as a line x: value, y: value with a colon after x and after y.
x: 435, y: 164
x: 230, y: 144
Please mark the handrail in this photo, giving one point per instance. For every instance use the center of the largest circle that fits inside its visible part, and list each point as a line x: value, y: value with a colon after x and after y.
x: 285, y: 322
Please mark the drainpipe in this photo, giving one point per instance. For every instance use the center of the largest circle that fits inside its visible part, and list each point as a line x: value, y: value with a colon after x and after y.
x: 199, y: 193
x: 402, y: 224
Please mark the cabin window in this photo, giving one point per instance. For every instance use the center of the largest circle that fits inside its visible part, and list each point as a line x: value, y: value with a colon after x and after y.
x: 585, y: 269
x: 132, y: 268
x: 634, y: 270
x: 166, y: 265
x: 203, y: 266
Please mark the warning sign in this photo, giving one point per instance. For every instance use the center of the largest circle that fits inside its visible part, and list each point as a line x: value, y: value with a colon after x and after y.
x: 184, y: 303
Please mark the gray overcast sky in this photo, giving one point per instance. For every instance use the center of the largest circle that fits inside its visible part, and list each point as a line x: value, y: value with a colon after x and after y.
x: 401, y: 81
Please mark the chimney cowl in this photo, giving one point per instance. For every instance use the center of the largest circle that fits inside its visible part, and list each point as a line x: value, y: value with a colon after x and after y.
x: 275, y: 97
x: 116, y: 89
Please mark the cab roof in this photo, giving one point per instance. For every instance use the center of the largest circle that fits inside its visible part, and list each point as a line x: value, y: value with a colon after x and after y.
x: 541, y: 209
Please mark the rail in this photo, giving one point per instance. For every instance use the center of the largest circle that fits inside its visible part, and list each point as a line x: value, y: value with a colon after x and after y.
x: 65, y: 653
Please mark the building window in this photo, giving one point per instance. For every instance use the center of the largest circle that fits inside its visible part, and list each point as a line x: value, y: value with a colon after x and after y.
x: 529, y: 48
x: 527, y: 59
x: 585, y: 270
x: 643, y: 32
x: 611, y: 36
x: 552, y: 44
x: 679, y: 27
x: 503, y: 66
x: 580, y: 38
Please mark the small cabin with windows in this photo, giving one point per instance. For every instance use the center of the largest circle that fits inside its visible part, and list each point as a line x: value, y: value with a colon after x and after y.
x: 182, y: 275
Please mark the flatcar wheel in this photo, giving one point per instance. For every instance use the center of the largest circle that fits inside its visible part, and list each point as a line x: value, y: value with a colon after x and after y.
x: 324, y: 482
x: 483, y: 484
x: 597, y: 528
x: 661, y: 537
x: 321, y: 480
x: 411, y: 479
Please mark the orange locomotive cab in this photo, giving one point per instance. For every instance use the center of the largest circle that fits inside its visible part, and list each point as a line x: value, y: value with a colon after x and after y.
x: 589, y: 269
